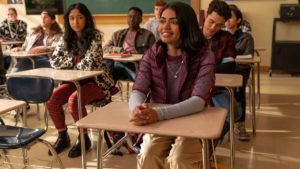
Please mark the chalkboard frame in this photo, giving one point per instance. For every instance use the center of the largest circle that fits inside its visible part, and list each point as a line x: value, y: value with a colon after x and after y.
x: 117, y: 7
x: 122, y: 18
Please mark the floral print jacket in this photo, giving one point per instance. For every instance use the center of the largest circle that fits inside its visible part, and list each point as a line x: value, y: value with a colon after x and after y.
x: 16, y: 31
x: 91, y: 60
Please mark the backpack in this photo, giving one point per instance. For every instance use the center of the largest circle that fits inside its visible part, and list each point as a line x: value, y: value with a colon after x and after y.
x: 130, y: 145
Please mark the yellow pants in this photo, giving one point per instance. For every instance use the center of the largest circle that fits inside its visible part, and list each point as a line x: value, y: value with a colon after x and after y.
x: 164, y: 152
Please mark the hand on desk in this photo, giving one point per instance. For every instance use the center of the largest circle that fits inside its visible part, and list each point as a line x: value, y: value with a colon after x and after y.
x: 36, y: 50
x: 143, y: 115
x: 17, y: 49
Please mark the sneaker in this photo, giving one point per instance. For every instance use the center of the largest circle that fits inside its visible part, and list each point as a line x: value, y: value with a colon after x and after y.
x: 240, y: 130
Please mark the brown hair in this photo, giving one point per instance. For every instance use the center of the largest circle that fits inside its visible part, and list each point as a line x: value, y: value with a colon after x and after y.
x: 160, y: 3
x: 13, y: 9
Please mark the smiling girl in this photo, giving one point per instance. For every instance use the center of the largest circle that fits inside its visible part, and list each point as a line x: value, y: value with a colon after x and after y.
x: 178, y: 70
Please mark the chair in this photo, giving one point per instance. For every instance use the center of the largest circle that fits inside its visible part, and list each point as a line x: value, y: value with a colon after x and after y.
x: 3, y: 91
x: 124, y: 95
x: 31, y: 89
x: 114, y: 140
x: 2, y: 69
x: 100, y: 103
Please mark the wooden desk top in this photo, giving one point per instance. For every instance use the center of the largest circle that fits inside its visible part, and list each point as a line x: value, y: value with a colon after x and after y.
x: 10, y: 42
x: 58, y: 75
x: 228, y: 80
x: 8, y: 105
x: 260, y: 49
x: 21, y: 54
x: 115, y: 117
x: 132, y: 58
x: 254, y: 59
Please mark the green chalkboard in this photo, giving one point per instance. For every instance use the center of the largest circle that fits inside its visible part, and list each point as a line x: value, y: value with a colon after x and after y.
x: 117, y: 6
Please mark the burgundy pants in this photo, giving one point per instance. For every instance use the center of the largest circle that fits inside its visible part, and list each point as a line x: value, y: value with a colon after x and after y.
x: 67, y: 93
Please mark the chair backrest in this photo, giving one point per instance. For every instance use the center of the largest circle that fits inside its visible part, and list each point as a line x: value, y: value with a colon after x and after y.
x: 2, y: 69
x: 31, y: 89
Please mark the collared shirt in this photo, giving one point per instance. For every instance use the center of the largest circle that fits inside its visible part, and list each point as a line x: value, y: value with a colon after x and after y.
x: 222, y: 45
x: 144, y: 39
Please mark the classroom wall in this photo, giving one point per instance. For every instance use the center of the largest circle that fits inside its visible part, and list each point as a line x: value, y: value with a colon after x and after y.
x: 34, y: 20
x: 260, y: 13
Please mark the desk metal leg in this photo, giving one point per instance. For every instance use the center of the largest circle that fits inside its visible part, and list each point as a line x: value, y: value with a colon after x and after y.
x: 205, y: 154
x: 258, y: 85
x: 232, y: 145
x: 6, y: 159
x: 83, y: 155
x: 253, y: 102
x: 32, y: 61
x: 24, y: 110
x: 99, y: 149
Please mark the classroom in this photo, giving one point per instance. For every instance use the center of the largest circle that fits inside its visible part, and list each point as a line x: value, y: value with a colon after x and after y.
x: 258, y: 100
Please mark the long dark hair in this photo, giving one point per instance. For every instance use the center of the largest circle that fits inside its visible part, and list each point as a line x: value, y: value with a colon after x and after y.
x: 237, y: 12
x: 87, y: 33
x: 191, y: 38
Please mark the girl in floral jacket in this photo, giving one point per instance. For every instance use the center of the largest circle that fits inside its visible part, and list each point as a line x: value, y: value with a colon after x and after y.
x: 80, y: 48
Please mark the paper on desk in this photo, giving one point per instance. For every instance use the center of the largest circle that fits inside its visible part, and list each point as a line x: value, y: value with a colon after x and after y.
x: 117, y: 55
x: 244, y: 56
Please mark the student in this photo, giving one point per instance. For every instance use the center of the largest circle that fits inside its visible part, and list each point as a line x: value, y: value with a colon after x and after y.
x: 134, y: 40
x: 178, y: 70
x: 244, y: 45
x: 153, y: 22
x: 42, y: 39
x: 223, y: 46
x: 12, y: 29
x: 79, y: 48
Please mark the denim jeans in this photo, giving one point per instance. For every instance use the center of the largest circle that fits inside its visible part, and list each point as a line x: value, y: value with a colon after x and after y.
x: 120, y: 70
x: 25, y: 64
x: 221, y: 98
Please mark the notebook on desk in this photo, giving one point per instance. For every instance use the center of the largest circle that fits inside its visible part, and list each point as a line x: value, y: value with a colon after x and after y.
x: 117, y: 55
x: 244, y: 56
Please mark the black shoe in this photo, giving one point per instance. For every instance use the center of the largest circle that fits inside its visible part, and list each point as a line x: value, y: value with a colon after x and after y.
x: 62, y: 142
x: 27, y: 106
x: 76, y: 149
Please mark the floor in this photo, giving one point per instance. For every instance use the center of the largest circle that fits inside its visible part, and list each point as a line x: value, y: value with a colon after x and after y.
x: 276, y: 144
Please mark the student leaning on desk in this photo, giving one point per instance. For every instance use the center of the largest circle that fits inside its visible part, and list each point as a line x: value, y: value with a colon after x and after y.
x: 244, y: 45
x: 42, y: 39
x: 79, y: 48
x: 178, y: 70
x: 223, y: 46
x: 12, y: 29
